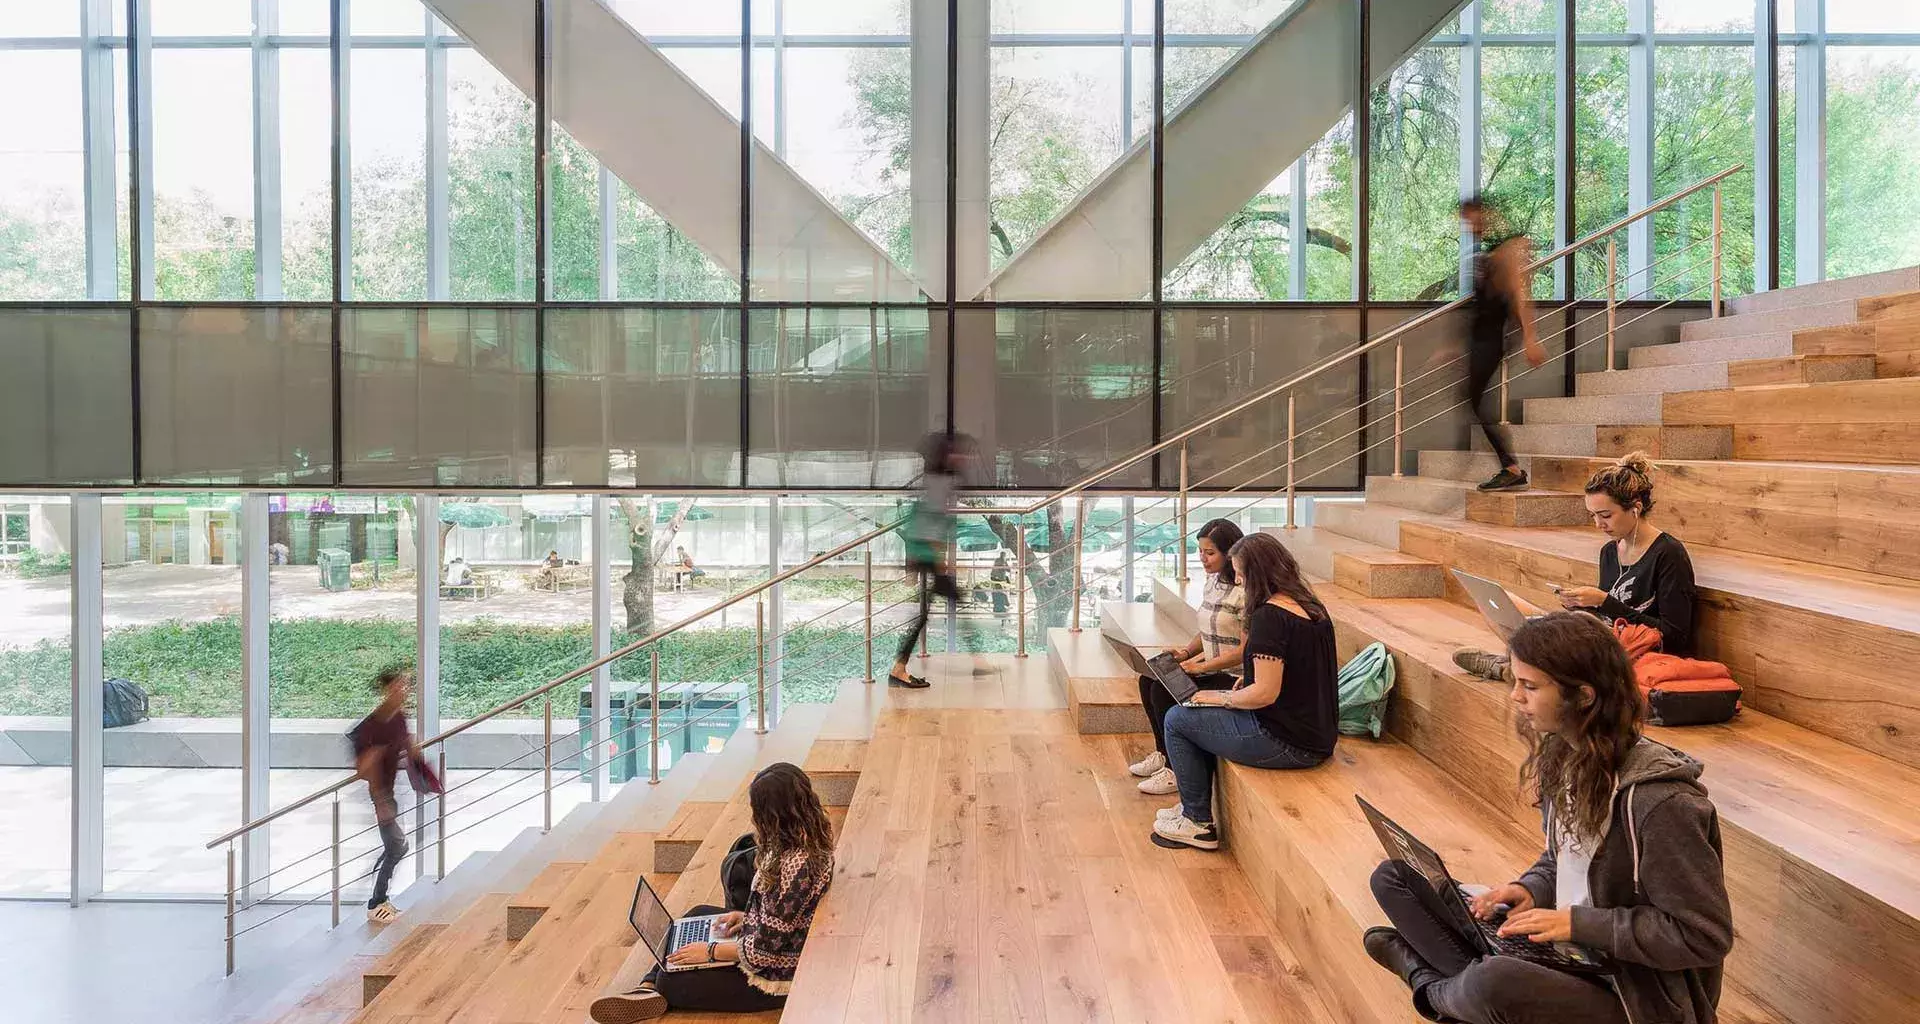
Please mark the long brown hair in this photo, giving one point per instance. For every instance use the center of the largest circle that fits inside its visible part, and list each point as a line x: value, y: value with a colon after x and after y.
x: 1627, y: 481
x: 787, y: 816
x: 1271, y: 569
x: 1575, y: 771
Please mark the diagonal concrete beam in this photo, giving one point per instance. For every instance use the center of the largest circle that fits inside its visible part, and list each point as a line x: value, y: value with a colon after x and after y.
x: 1233, y: 136
x: 623, y: 100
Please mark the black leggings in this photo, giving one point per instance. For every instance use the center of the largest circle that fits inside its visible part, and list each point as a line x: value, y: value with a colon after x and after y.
x: 1476, y: 988
x: 1483, y: 362
x: 1158, y: 701
x: 932, y: 582
x: 713, y: 989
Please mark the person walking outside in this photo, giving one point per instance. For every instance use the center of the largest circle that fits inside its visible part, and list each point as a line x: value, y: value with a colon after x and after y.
x: 1501, y: 292
x: 379, y: 742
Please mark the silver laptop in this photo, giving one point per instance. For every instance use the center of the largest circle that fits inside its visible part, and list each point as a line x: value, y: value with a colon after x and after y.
x: 1163, y: 667
x: 1495, y: 604
x: 663, y: 934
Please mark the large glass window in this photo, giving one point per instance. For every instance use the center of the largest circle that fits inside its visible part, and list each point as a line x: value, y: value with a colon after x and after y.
x: 1873, y: 122
x: 170, y: 568
x: 202, y: 105
x: 42, y: 174
x: 36, y: 694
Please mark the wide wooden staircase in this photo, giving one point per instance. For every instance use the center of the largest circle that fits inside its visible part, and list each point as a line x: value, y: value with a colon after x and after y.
x: 1789, y: 448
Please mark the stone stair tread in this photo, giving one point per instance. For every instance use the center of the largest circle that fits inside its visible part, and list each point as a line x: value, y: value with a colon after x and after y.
x: 1817, y: 314
x: 1701, y: 376
x: 1142, y: 624
x: 1595, y: 410
x: 1856, y: 287
x: 1711, y: 350
x: 1830, y: 804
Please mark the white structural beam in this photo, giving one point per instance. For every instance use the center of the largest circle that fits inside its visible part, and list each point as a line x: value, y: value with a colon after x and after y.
x: 438, y: 183
x: 97, y: 150
x: 267, y: 219
x: 143, y: 147
x: 1297, y: 231
x: 1765, y: 111
x: 1563, y: 284
x: 1470, y: 134
x: 1810, y: 142
x: 1640, y: 145
x: 1225, y: 143
x: 619, y: 97
x: 341, y: 61
x: 255, y: 711
x: 426, y: 655
x: 88, y: 778
x: 928, y: 166
x: 602, y: 556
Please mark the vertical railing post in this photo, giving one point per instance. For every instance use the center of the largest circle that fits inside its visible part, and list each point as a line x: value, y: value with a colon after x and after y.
x: 231, y: 883
x: 1182, y: 545
x: 869, y: 615
x: 440, y: 817
x: 1079, y: 548
x: 1020, y: 585
x: 1716, y: 252
x: 335, y: 848
x: 1503, y: 389
x: 1290, y: 473
x: 760, y: 664
x: 1613, y: 289
x: 1399, y: 382
x: 546, y: 763
x: 653, y: 718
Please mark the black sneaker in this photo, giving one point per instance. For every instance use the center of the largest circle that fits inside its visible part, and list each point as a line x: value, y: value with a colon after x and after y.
x: 1506, y: 480
x: 1389, y: 949
x: 911, y: 682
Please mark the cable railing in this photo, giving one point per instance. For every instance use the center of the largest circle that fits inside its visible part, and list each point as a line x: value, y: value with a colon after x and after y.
x: 585, y: 737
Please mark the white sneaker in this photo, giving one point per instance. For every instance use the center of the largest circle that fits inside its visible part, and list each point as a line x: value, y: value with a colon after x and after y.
x: 1160, y: 783
x: 1167, y: 813
x: 385, y: 913
x: 1180, y: 831
x: 1154, y: 762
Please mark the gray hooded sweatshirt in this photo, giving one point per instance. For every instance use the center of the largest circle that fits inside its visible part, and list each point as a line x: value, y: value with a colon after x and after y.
x: 1659, y: 899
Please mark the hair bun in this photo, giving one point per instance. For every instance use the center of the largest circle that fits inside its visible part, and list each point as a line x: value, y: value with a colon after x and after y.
x: 1639, y: 462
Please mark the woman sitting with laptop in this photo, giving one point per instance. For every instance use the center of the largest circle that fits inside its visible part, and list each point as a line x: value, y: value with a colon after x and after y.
x: 1632, y: 868
x: 1646, y: 577
x: 1212, y: 659
x: 793, y: 865
x: 1281, y: 713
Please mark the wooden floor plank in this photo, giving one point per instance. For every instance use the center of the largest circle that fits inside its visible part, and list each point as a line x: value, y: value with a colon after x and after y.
x: 947, y: 981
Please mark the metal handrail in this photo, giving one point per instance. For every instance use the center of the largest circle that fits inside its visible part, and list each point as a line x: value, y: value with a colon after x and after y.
x: 1176, y: 440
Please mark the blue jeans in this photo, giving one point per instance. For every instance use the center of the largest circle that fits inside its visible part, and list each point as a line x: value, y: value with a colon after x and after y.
x: 1196, y: 736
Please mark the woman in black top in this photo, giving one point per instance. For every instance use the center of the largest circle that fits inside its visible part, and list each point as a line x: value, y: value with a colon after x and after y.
x: 1646, y: 577
x: 1283, y: 713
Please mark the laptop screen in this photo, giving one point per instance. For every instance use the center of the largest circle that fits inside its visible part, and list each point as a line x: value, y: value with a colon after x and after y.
x: 649, y: 917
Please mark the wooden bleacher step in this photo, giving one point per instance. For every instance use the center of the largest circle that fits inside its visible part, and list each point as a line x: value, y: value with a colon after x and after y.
x: 1825, y: 648
x: 834, y: 766
x: 1533, y: 507
x: 1846, y: 421
x: 1893, y: 344
x: 526, y: 908
x: 1848, y: 516
x: 1799, y: 369
x: 1103, y: 694
x: 380, y: 974
x: 1820, y: 851
x: 673, y: 848
x: 1364, y: 566
x: 436, y: 981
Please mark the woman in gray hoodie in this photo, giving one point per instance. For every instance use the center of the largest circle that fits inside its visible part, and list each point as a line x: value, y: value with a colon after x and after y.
x: 1632, y: 867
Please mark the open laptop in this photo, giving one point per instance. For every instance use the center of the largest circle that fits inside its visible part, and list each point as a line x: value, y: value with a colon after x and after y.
x: 663, y: 934
x: 1163, y: 667
x: 1454, y: 898
x: 1495, y: 604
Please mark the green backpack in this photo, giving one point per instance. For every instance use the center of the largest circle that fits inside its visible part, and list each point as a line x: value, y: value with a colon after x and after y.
x: 1364, y: 684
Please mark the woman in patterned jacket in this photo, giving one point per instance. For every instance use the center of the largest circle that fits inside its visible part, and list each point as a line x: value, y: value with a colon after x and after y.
x: 793, y: 866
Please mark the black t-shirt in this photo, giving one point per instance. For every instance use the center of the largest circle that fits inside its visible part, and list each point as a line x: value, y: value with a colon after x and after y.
x: 389, y: 733
x: 1307, y: 712
x: 1657, y: 590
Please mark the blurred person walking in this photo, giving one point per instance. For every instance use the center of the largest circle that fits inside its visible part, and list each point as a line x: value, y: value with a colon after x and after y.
x: 380, y: 742
x: 929, y: 534
x: 1501, y: 292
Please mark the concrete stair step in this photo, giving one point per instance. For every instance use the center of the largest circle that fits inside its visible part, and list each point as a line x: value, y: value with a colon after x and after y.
x: 1800, y: 369
x: 1142, y: 624
x: 1819, y: 314
x: 1366, y: 568
x: 1378, y: 525
x: 1545, y: 439
x: 1439, y: 496
x: 1640, y: 409
x: 1471, y: 467
x: 1857, y: 287
x: 1711, y: 350
x: 1676, y: 442
x: 1529, y: 507
x: 1653, y: 379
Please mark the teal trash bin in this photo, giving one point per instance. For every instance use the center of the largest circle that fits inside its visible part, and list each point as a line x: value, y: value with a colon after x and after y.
x: 336, y: 569
x: 626, y: 736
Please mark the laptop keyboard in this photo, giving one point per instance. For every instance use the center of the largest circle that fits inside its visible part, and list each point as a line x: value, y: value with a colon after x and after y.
x: 1517, y: 945
x: 695, y: 931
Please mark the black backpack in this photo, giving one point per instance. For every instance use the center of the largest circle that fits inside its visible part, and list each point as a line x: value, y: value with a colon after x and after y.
x: 122, y: 702
x: 736, y: 871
